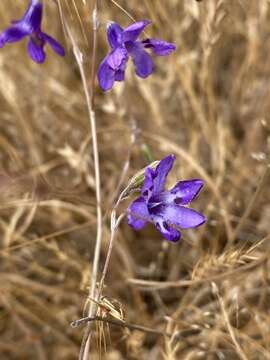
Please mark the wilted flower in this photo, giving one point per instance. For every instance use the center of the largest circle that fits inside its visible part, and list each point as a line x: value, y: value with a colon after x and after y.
x: 166, y: 209
x: 30, y: 25
x: 125, y: 43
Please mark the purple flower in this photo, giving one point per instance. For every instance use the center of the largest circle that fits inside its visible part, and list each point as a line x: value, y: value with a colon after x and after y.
x: 30, y: 25
x: 125, y: 43
x: 166, y: 209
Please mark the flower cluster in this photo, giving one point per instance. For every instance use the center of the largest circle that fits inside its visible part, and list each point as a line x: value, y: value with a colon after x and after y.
x: 165, y: 209
x: 124, y: 44
x: 30, y: 25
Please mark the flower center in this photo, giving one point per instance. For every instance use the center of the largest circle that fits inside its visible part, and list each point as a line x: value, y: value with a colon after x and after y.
x: 37, y: 39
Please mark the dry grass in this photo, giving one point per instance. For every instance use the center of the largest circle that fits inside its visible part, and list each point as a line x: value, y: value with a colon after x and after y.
x: 209, y: 104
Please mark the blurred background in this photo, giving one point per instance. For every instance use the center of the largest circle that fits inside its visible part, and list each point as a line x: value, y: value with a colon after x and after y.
x: 207, y: 103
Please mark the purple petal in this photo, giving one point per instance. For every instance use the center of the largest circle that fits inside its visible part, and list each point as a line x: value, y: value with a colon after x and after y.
x: 148, y: 184
x: 112, y: 68
x: 161, y: 172
x: 119, y: 75
x: 54, y: 44
x: 159, y: 47
x: 138, y: 214
x: 114, y: 34
x: 167, y: 231
x: 36, y: 51
x: 132, y: 32
x: 105, y: 75
x: 12, y: 35
x: 117, y: 58
x: 178, y: 215
x: 142, y: 61
x: 186, y: 191
x: 31, y: 20
x: 154, y: 180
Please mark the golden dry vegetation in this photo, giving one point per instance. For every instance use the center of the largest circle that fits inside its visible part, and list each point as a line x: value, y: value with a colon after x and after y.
x: 209, y: 104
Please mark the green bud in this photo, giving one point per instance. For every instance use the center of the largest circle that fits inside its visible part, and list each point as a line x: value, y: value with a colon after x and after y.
x: 136, y: 182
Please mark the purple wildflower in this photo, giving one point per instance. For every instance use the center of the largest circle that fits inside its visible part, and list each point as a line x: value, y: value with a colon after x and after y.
x: 166, y: 209
x: 125, y: 43
x: 30, y: 25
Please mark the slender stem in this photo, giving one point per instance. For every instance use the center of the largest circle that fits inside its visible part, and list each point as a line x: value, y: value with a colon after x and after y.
x: 89, y: 95
x: 85, y: 347
x: 175, y: 336
x: 125, y: 168
x: 93, y: 280
x: 93, y: 65
x: 114, y: 220
x: 114, y: 225
x: 121, y: 324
